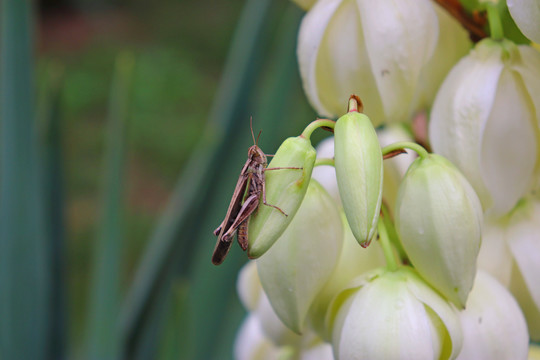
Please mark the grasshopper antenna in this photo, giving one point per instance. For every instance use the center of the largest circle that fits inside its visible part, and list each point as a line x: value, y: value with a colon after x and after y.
x: 251, y: 127
x: 258, y: 136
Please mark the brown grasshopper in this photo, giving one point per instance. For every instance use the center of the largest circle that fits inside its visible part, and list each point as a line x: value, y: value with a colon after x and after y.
x: 245, y: 200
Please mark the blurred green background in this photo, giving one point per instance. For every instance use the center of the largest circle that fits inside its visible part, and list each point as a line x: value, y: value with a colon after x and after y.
x: 142, y: 110
x: 179, y: 49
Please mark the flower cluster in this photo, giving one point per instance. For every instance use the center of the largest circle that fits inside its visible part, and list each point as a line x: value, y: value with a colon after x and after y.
x: 387, y: 255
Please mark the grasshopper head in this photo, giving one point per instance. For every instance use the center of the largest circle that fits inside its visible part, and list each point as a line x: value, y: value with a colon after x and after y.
x: 256, y: 154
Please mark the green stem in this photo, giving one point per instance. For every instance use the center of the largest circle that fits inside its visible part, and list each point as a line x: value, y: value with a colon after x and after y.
x: 391, y: 262
x: 419, y: 149
x: 392, y: 234
x: 315, y: 125
x: 494, y: 19
x: 325, y: 161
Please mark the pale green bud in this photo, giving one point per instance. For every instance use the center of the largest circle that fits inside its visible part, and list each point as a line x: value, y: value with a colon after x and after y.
x: 359, y: 171
x: 393, y: 315
x: 439, y: 219
x: 285, y: 189
x: 298, y: 265
x: 493, y: 324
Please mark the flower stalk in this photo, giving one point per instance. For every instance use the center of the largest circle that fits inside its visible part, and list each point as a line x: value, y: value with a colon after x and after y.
x: 419, y: 149
x: 494, y: 19
x: 314, y: 125
x: 389, y: 256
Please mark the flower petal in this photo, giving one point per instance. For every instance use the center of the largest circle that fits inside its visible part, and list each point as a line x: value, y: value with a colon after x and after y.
x: 506, y: 178
x: 524, y: 241
x: 495, y: 256
x: 381, y: 310
x: 298, y: 265
x: 453, y: 43
x: 249, y: 286
x: 310, y: 37
x: 251, y: 344
x: 400, y: 37
x: 493, y: 325
x: 526, y: 14
x: 462, y: 107
x: 326, y: 175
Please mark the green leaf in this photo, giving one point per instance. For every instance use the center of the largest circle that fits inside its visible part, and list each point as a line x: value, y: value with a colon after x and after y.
x: 24, y: 262
x: 103, y: 340
x: 50, y: 143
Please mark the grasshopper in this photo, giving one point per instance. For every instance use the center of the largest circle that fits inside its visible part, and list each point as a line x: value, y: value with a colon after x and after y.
x: 245, y: 201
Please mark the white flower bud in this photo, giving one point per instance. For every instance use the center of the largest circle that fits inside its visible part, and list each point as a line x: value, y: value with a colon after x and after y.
x: 393, y: 315
x: 248, y: 286
x: 485, y: 119
x: 298, y: 265
x: 439, y: 219
x: 493, y: 324
x: 251, y: 343
x: 526, y: 14
x: 510, y: 252
x: 378, y: 50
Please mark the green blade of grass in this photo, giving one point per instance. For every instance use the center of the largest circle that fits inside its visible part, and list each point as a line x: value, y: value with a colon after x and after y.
x: 102, y: 333
x: 49, y: 117
x: 24, y: 268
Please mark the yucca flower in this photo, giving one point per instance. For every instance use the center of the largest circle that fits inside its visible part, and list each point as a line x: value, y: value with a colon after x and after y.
x: 485, y: 120
x: 393, y: 54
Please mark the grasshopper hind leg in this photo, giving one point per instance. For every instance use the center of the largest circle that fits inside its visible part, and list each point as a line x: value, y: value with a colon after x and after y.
x: 243, y: 235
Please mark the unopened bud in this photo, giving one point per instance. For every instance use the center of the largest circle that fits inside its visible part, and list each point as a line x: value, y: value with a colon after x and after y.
x: 287, y: 180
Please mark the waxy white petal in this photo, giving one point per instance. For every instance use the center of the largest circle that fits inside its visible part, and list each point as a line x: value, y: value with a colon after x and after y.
x: 273, y: 328
x: 354, y: 260
x: 400, y: 37
x: 530, y: 309
x: 326, y: 175
x: 298, y: 265
x: 526, y: 14
x: 505, y: 177
x: 460, y: 110
x: 524, y: 241
x: 453, y: 43
x: 396, y: 167
x: 384, y: 319
x: 249, y: 286
x: 493, y: 324
x: 251, y: 344
x: 495, y: 256
x: 483, y: 120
